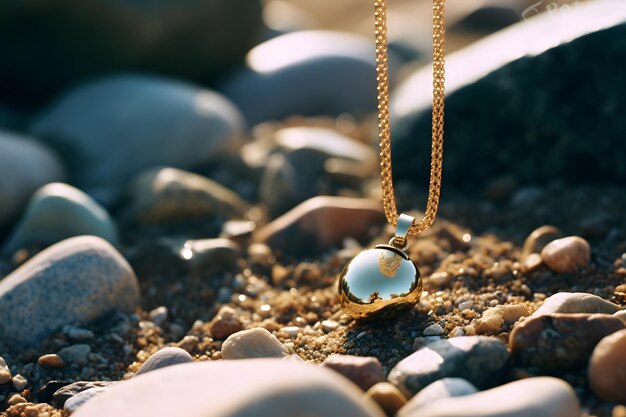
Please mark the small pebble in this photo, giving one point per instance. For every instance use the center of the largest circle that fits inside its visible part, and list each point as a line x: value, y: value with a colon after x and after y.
x: 329, y: 325
x: 568, y: 254
x: 19, y: 382
x: 607, y: 368
x: 158, y: 315
x: 433, y: 330
x: 387, y: 396
x: 576, y: 302
x: 619, y: 411
x: 78, y: 354
x: 16, y: 399
x: 5, y: 375
x: 167, y: 356
x: 494, y: 318
x: 291, y: 331
x: 253, y: 343
x: 532, y: 262
x: 466, y: 305
x: 78, y: 334
x: 362, y: 371
x: 225, y: 323
x: 538, y: 239
x: 51, y: 360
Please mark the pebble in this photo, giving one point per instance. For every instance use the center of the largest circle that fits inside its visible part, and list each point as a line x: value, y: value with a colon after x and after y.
x: 329, y: 325
x: 568, y: 254
x: 210, y: 255
x: 321, y: 223
x: 536, y: 397
x: 158, y: 315
x: 225, y: 323
x: 66, y: 392
x: 607, y: 368
x: 433, y: 330
x: 59, y: 211
x: 5, y: 375
x: 621, y: 315
x: 81, y: 278
x: 78, y: 354
x: 478, y: 359
x: 253, y: 343
x: 25, y: 165
x: 259, y: 388
x: 51, y: 360
x: 19, y: 382
x: 532, y: 262
x: 560, y: 341
x: 16, y: 399
x: 167, y: 356
x: 118, y: 126
x: 494, y: 318
x: 387, y: 396
x: 539, y: 238
x: 169, y: 195
x: 444, y: 388
x: 465, y: 305
x: 576, y: 302
x: 364, y: 372
x: 280, y: 68
x: 80, y: 399
x: 78, y: 334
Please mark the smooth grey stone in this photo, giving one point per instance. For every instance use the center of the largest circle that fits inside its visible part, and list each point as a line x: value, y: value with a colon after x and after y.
x: 306, y: 73
x: 111, y: 129
x: 210, y: 254
x: 80, y: 399
x: 75, y: 354
x: 576, y: 302
x: 245, y: 388
x: 188, y: 39
x: 74, y: 282
x: 477, y: 359
x: 25, y: 165
x: 63, y: 394
x: 536, y: 397
x: 443, y: 388
x: 502, y: 91
x: 59, y: 211
x: 167, y: 356
x: 253, y: 343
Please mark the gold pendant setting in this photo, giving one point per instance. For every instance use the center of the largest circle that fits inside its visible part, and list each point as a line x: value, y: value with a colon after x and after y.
x: 382, y: 282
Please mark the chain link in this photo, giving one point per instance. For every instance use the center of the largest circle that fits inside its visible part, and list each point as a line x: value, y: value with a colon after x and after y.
x: 382, y: 70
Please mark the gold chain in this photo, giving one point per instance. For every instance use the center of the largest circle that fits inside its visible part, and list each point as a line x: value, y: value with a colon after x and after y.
x: 382, y: 70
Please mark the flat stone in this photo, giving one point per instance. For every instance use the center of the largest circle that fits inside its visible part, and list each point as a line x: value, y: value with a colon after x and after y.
x: 77, y: 354
x: 225, y: 323
x: 576, y: 302
x: 59, y: 211
x: 117, y: 127
x: 169, y: 195
x: 434, y: 329
x: 167, y: 356
x: 259, y: 388
x: 387, y: 396
x: 444, y: 388
x: 321, y: 223
x: 560, y: 341
x: 478, y: 359
x: 63, y: 394
x: 82, y: 279
x: 568, y: 254
x: 364, y: 372
x: 51, y: 360
x: 25, y: 165
x: 539, y: 238
x: 537, y: 397
x: 607, y: 368
x: 253, y: 343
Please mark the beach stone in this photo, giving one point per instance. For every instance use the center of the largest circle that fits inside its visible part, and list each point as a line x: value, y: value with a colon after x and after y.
x: 211, y: 254
x: 192, y: 39
x: 116, y: 127
x: 444, y: 388
x: 494, y: 318
x: 80, y: 399
x: 25, y: 165
x: 225, y: 323
x: 387, y: 396
x: 482, y: 78
x: 621, y: 315
x: 78, y: 334
x: 59, y: 211
x: 63, y: 394
x: 75, y: 354
x: 51, y: 360
x: 320, y: 223
x: 478, y: 359
x: 235, y: 389
x: 434, y: 329
x: 560, y: 341
x: 5, y: 375
x: 282, y: 69
x: 81, y: 278
x: 539, y: 238
x: 167, y: 195
x: 537, y: 397
x: 576, y: 302
x: 364, y: 372
x: 167, y: 356
x: 19, y: 382
x: 607, y: 368
x: 253, y: 343
x: 568, y: 254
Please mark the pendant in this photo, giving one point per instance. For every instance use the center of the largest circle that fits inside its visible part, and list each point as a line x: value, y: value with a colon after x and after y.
x: 382, y: 282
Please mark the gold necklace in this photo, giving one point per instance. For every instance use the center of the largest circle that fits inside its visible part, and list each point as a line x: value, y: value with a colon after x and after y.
x: 383, y: 282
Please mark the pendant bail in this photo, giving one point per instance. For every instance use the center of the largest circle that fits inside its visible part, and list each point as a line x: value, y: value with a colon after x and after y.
x: 403, y: 224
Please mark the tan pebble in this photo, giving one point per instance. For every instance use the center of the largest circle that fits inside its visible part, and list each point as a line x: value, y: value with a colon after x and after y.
x: 225, y: 323
x: 532, y: 262
x: 387, y: 396
x: 19, y: 382
x: 607, y: 368
x: 16, y: 399
x: 568, y: 254
x: 619, y: 411
x: 51, y: 360
x: 188, y: 343
x: 494, y: 318
x: 5, y: 375
x: 539, y: 238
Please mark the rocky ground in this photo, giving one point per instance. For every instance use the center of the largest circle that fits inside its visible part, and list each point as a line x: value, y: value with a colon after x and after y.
x: 188, y: 239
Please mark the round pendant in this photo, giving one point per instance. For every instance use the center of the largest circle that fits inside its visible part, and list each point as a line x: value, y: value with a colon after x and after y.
x: 380, y: 283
